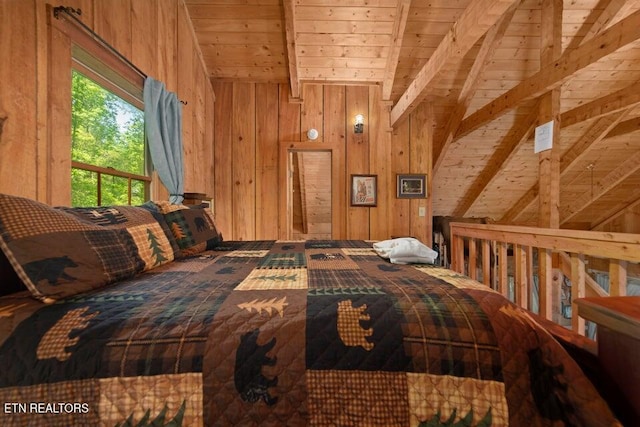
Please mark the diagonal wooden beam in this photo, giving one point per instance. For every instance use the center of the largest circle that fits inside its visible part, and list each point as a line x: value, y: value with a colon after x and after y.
x: 400, y: 23
x: 506, y: 149
x: 623, y: 128
x: 615, y: 177
x: 491, y: 42
x: 611, y: 216
x: 292, y: 54
x: 617, y: 101
x: 610, y: 40
x: 599, y: 18
x: 606, y: 17
x: 474, y: 22
x: 595, y: 133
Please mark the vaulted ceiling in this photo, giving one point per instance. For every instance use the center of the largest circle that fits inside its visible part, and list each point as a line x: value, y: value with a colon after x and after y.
x: 483, y: 64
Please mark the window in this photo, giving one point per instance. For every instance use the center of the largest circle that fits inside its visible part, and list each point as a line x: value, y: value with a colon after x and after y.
x: 108, y: 150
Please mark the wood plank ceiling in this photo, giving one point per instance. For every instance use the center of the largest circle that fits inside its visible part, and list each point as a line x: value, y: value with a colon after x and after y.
x: 478, y: 62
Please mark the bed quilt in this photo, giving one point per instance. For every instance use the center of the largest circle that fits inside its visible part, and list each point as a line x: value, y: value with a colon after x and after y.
x: 287, y: 333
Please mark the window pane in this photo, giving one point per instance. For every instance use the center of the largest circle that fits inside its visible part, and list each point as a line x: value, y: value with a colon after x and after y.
x: 106, y: 130
x: 137, y: 192
x: 84, y: 186
x: 115, y: 190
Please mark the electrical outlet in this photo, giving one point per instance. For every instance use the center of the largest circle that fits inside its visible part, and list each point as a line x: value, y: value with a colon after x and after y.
x: 422, y: 211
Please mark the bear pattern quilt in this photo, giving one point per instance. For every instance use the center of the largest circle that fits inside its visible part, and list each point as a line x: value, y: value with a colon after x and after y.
x: 287, y: 333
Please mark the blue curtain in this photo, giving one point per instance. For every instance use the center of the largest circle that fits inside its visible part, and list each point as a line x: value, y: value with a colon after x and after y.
x: 163, y: 126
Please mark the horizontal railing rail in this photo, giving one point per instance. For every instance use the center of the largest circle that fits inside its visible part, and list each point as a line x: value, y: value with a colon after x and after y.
x: 569, y: 247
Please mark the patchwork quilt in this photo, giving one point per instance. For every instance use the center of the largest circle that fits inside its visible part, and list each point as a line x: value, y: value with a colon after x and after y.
x: 287, y: 333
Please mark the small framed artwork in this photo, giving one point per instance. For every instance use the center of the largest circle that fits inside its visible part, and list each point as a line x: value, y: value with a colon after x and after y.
x: 411, y: 186
x: 364, y: 190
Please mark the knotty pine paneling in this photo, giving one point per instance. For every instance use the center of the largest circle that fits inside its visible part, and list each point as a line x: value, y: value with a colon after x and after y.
x: 186, y: 93
x: 379, y: 155
x: 58, y: 154
x: 35, y: 88
x: 144, y: 34
x: 167, y: 46
x: 312, y: 110
x: 250, y: 126
x: 208, y: 159
x: 421, y: 131
x: 357, y: 158
x: 223, y: 187
x: 243, y: 150
x: 200, y: 159
x: 400, y: 218
x: 18, y: 149
x: 112, y: 20
x: 267, y: 210
x: 335, y: 129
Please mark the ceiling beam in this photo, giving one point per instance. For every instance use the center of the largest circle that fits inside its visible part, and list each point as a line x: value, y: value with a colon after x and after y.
x: 623, y: 128
x: 549, y: 111
x: 504, y: 152
x: 474, y: 22
x: 600, y: 18
x: 614, y: 178
x: 617, y: 101
x: 610, y: 40
x: 610, y: 217
x: 606, y: 17
x: 292, y: 54
x: 594, y: 134
x: 400, y: 23
x: 491, y: 42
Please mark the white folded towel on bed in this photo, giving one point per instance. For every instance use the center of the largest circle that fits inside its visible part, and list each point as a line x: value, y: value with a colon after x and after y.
x: 405, y: 250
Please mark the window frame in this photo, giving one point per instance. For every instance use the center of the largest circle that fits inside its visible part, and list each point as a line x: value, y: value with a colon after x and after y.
x: 97, y: 60
x: 115, y: 89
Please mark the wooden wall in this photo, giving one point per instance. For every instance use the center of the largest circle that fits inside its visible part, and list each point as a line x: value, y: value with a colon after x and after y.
x: 155, y: 35
x: 247, y: 123
x: 254, y: 120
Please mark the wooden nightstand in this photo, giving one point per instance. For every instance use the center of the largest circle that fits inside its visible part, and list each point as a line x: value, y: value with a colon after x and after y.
x: 618, y: 337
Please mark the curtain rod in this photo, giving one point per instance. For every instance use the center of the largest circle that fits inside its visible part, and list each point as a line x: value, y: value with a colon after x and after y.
x: 71, y: 12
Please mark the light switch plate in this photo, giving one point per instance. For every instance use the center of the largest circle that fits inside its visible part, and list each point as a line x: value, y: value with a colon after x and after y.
x: 422, y: 211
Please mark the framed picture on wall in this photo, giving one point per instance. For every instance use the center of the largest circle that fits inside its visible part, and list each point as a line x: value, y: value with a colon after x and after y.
x: 364, y: 190
x: 411, y: 186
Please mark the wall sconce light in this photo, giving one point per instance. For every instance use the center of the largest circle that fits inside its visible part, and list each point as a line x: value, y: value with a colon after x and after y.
x: 359, y: 124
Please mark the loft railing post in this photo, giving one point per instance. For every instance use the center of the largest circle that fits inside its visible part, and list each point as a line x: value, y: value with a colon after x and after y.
x: 503, y: 280
x: 578, y: 279
x: 521, y: 277
x: 486, y: 263
x: 617, y: 277
x: 472, y: 259
x: 545, y: 279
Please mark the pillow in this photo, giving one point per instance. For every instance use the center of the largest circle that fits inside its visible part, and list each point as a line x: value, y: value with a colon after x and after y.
x: 192, y: 226
x: 59, y: 252
x: 145, y: 217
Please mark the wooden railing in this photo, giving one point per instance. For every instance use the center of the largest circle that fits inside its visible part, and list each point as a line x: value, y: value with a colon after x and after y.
x: 488, y: 247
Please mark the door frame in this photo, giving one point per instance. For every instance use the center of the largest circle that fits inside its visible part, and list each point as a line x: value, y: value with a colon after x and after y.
x: 286, y: 211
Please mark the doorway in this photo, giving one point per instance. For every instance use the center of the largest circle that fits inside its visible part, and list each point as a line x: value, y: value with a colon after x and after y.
x: 309, y: 189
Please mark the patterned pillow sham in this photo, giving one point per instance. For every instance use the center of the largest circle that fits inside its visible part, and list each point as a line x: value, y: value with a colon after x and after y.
x: 59, y: 252
x: 146, y: 217
x: 193, y: 227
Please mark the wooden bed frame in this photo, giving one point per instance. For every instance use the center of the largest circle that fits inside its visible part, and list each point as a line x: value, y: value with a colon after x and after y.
x: 566, y: 253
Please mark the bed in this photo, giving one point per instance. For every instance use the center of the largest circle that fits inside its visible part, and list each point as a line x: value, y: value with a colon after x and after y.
x: 263, y: 333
